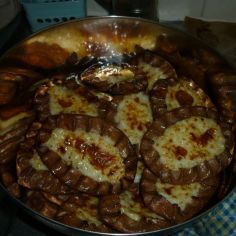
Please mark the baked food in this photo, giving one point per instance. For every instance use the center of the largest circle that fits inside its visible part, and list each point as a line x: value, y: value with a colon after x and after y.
x: 130, y: 113
x: 31, y: 172
x: 127, y: 213
x: 14, y: 122
x: 82, y: 211
x: 154, y: 66
x: 60, y: 95
x: 115, y: 79
x: 39, y: 203
x: 170, y: 94
x: 176, y: 203
x: 187, y: 145
x: 98, y: 125
x: 87, y: 154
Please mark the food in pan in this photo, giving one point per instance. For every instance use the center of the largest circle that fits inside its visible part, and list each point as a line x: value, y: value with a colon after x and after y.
x: 78, y: 210
x: 115, y: 78
x: 169, y: 94
x: 87, y: 154
x: 187, y: 145
x: 7, y: 91
x: 131, y: 113
x: 106, y: 145
x: 156, y: 67
x: 57, y: 96
x: 14, y: 122
x: 176, y: 202
x: 39, y: 203
x: 31, y: 171
x: 127, y: 213
x: 82, y: 211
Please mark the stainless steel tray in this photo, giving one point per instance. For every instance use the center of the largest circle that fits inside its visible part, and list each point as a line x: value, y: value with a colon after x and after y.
x: 114, y: 36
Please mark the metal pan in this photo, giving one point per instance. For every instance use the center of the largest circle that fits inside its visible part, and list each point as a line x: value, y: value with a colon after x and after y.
x: 112, y: 37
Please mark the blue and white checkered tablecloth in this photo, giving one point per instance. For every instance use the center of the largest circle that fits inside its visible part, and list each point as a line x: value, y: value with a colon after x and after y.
x: 220, y: 222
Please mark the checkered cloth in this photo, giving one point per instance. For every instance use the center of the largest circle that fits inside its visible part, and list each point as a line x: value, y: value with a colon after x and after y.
x: 220, y: 222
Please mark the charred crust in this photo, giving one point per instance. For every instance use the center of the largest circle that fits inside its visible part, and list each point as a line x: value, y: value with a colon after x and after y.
x: 111, y: 214
x: 73, y: 177
x: 28, y: 176
x: 12, y: 136
x: 10, y: 182
x: 111, y: 110
x: 42, y: 98
x: 39, y: 203
x: 154, y: 60
x: 159, y: 92
x: 159, y: 204
x: 40, y: 55
x: 71, y: 219
x: 222, y: 82
x: 15, y: 82
x: 137, y: 84
x: 200, y: 172
x: 69, y: 204
x: 206, y: 57
x: 7, y: 91
x: 37, y: 179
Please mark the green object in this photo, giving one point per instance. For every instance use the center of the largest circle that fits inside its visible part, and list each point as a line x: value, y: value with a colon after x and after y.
x: 43, y: 13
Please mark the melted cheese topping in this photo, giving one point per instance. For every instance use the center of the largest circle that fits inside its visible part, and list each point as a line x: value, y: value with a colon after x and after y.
x: 92, y: 154
x: 133, y: 209
x: 153, y: 73
x: 133, y: 115
x: 67, y: 101
x: 89, y: 212
x: 180, y: 195
x: 37, y: 163
x: 114, y: 74
x: 139, y: 172
x: 198, y: 98
x: 190, y: 142
x: 6, y: 125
